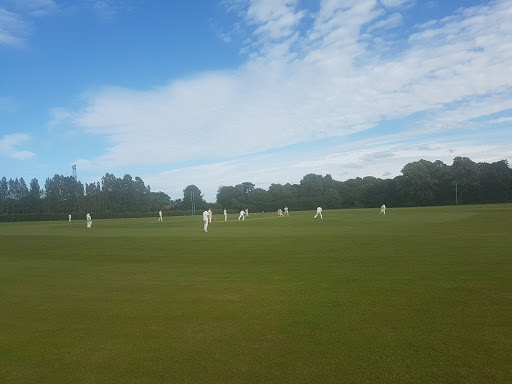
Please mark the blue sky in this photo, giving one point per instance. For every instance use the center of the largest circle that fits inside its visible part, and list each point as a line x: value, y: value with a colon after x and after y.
x: 217, y: 93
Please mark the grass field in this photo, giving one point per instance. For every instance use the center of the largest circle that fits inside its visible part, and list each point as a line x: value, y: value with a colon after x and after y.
x: 420, y: 295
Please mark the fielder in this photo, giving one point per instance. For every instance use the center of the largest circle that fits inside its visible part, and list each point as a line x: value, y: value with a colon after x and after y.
x: 69, y: 217
x: 286, y: 211
x: 206, y: 217
x: 160, y: 216
x: 225, y: 215
x: 210, y: 215
x: 382, y: 210
x: 242, y: 215
x: 318, y: 212
x: 89, y: 220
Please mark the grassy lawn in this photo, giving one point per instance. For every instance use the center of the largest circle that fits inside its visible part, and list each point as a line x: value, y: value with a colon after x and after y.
x: 420, y: 295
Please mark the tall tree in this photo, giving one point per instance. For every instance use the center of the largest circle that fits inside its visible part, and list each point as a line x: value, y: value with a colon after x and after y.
x: 192, y: 194
x: 495, y: 179
x: 467, y: 176
x: 416, y: 185
x: 312, y: 185
x: 4, y: 195
x: 34, y: 197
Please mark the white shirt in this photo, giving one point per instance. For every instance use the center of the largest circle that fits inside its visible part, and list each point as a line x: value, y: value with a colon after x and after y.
x: 205, y: 215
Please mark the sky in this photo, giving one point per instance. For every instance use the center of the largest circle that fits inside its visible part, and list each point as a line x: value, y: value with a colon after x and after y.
x: 217, y: 93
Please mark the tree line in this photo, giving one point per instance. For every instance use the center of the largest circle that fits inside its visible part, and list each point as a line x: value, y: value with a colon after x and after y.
x: 65, y: 194
x: 421, y: 183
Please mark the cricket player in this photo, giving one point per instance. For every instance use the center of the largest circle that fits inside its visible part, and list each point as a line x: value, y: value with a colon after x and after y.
x: 206, y: 217
x: 279, y: 212
x: 286, y: 211
x: 318, y: 212
x: 225, y: 215
x: 210, y: 214
x: 382, y: 209
x: 242, y: 215
x: 247, y: 212
x: 160, y: 216
x: 69, y: 217
x: 89, y: 220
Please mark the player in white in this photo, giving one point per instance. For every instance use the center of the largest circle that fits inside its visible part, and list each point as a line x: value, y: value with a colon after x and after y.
x: 286, y: 211
x: 382, y: 209
x: 160, y: 216
x: 89, y: 220
x: 225, y: 215
x: 246, y: 211
x: 206, y: 218
x: 318, y: 212
x: 69, y: 217
x: 242, y: 215
x: 210, y: 214
x: 279, y: 212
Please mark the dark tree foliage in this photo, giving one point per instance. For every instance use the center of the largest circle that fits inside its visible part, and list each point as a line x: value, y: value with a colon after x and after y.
x: 64, y: 194
x: 421, y: 183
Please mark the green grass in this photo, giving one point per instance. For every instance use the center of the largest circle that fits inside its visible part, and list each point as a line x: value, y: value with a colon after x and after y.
x: 420, y: 295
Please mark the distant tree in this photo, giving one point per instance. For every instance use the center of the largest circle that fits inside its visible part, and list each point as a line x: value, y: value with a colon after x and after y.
x: 34, y: 202
x: 466, y: 174
x: 160, y: 200
x: 331, y: 199
x: 416, y: 185
x: 191, y: 192
x: 225, y: 195
x: 4, y: 195
x: 495, y: 179
x: 442, y: 174
x: 258, y: 200
x: 312, y: 185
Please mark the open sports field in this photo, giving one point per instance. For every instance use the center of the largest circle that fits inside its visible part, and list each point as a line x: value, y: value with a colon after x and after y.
x: 420, y: 295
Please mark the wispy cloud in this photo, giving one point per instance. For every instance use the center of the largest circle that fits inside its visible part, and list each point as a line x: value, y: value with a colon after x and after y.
x: 108, y: 9
x: 9, y: 146
x: 303, y: 83
x: 16, y: 19
x: 34, y: 8
x: 13, y: 29
x: 501, y: 120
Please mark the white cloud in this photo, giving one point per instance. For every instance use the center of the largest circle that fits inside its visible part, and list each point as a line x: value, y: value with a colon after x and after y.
x: 16, y: 19
x: 357, y: 159
x: 12, y: 28
x: 395, y: 3
x: 304, y: 85
x: 9, y: 144
x: 392, y: 21
x: 35, y: 8
x: 501, y: 120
